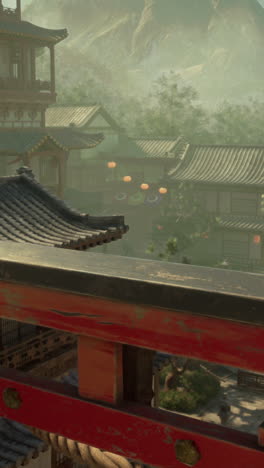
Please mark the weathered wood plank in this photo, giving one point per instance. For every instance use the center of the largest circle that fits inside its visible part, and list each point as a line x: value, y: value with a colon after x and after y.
x: 141, y: 433
x: 100, y: 370
x: 202, y: 291
x: 210, y: 339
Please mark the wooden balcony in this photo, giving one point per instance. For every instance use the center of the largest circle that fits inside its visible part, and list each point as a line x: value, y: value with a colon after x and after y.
x: 36, y: 352
x: 9, y: 13
x: 15, y: 84
x: 13, y: 89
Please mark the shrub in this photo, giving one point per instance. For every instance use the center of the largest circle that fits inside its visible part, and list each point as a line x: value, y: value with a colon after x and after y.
x: 183, y: 401
x: 198, y: 388
x: 201, y: 383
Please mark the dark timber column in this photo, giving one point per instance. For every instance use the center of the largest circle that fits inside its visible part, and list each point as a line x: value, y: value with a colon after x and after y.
x: 138, y: 374
x: 19, y: 9
x: 62, y: 168
x: 52, y: 68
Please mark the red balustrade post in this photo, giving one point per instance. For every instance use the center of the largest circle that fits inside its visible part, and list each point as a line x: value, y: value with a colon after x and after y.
x: 100, y: 367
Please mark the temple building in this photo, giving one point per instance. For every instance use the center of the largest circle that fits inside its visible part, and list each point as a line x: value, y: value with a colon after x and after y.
x: 27, y: 88
x: 228, y: 182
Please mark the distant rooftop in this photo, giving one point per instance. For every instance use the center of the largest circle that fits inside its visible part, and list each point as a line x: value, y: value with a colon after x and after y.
x: 21, y: 141
x: 31, y: 31
x: 160, y: 147
x: 227, y: 165
x: 242, y: 223
x: 77, y: 116
x: 154, y: 148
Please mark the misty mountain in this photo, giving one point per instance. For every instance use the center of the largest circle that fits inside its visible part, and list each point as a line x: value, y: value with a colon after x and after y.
x: 214, y: 44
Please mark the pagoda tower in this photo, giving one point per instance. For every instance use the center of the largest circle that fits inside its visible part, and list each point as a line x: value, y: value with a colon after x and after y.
x: 27, y: 53
x: 24, y: 97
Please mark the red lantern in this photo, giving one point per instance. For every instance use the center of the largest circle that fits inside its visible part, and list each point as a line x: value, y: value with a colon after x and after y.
x: 163, y: 190
x: 257, y: 239
x: 127, y: 178
x: 144, y: 186
x: 111, y: 164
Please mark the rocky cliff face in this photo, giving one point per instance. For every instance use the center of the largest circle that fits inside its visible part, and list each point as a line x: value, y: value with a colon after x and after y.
x: 204, y: 40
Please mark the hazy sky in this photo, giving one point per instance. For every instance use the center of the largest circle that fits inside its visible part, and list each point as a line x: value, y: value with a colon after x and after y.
x: 11, y: 3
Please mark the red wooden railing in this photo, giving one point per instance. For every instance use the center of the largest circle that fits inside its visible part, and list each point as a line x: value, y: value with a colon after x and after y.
x: 115, y: 306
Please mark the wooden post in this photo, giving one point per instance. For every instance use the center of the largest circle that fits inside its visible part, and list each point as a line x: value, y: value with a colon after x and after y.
x: 261, y: 435
x: 62, y: 173
x: 18, y: 9
x: 52, y: 68
x: 33, y: 64
x: 137, y: 365
x: 1, y: 334
x: 54, y: 458
x: 23, y: 66
x: 100, y: 369
x: 26, y: 158
x: 156, y: 388
x: 138, y: 375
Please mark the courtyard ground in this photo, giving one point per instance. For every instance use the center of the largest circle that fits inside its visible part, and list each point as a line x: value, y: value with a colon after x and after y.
x: 247, y: 406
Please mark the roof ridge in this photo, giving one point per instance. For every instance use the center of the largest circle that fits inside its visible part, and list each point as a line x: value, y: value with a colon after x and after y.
x: 224, y: 146
x: 233, y: 216
x: 62, y: 30
x: 73, y: 107
x: 157, y: 138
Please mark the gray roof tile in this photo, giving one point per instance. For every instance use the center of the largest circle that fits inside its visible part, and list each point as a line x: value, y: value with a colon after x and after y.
x: 29, y: 30
x: 21, y: 141
x: 30, y: 214
x: 17, y: 444
x: 77, y: 116
x: 154, y: 148
x: 242, y: 223
x: 160, y: 147
x: 227, y: 165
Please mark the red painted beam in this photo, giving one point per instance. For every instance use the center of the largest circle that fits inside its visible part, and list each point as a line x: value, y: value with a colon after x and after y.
x: 141, y: 433
x: 206, y: 338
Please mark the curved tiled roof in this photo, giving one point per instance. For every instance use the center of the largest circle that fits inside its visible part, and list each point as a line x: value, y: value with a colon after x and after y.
x: 241, y: 223
x: 76, y: 116
x: 73, y: 115
x: 29, y: 30
x: 30, y: 214
x: 236, y: 165
x: 152, y: 148
x: 21, y: 141
x: 160, y: 147
x: 17, y: 444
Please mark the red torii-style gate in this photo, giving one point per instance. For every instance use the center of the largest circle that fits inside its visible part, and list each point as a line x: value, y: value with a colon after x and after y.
x: 112, y: 304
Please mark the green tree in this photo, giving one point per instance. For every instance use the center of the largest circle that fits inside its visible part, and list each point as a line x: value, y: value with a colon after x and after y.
x: 238, y: 124
x: 180, y: 226
x: 172, y: 109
